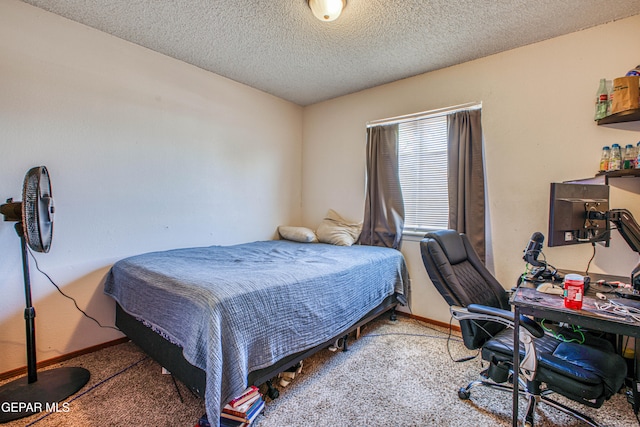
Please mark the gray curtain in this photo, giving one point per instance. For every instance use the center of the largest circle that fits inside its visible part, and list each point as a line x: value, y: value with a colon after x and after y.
x: 384, y: 206
x: 466, y: 177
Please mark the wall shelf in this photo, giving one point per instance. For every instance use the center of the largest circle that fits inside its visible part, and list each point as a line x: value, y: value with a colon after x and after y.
x: 604, y: 177
x: 621, y: 117
x: 632, y: 173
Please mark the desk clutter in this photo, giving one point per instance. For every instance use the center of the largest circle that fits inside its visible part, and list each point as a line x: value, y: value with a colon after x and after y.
x: 550, y: 288
x: 572, y: 288
x: 617, y: 308
x: 611, y: 298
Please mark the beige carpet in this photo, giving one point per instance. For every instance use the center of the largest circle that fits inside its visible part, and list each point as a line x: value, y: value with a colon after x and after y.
x: 396, y: 374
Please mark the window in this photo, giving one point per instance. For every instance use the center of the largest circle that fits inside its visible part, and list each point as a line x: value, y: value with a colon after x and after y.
x: 422, y: 158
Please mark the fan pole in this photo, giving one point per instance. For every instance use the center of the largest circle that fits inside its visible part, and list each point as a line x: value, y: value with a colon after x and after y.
x: 54, y: 385
x: 29, y: 311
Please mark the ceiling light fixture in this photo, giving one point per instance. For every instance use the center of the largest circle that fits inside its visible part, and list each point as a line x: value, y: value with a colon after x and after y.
x: 327, y: 10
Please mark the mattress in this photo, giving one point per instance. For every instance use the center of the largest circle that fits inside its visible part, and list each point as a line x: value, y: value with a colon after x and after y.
x: 237, y: 309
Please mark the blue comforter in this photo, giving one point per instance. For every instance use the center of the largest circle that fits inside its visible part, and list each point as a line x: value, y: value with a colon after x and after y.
x: 236, y: 309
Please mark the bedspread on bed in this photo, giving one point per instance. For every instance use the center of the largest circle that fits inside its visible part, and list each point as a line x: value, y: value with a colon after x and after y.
x: 236, y: 309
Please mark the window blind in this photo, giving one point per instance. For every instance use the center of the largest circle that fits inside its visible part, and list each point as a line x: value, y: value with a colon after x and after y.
x: 422, y: 158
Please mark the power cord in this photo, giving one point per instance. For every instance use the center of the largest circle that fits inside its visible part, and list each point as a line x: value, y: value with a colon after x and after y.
x: 586, y: 272
x: 449, y: 339
x: 561, y: 337
x: 426, y: 325
x: 67, y: 296
x: 463, y: 359
x: 93, y: 387
x: 619, y: 309
x: 524, y: 275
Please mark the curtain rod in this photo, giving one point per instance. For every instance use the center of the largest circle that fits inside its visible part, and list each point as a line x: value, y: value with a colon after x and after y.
x: 415, y: 116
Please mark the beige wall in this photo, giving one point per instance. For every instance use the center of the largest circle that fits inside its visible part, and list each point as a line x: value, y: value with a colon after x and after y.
x: 145, y: 153
x: 538, y: 105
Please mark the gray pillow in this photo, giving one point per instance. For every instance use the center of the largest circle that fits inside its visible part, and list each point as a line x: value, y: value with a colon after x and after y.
x: 297, y: 234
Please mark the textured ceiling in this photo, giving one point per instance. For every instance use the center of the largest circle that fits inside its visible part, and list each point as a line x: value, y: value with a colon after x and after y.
x: 279, y: 47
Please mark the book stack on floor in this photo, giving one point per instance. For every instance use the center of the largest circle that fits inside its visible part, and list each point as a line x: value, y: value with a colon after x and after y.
x: 240, y: 411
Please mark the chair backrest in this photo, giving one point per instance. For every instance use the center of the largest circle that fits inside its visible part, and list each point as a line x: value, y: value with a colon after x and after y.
x: 462, y: 279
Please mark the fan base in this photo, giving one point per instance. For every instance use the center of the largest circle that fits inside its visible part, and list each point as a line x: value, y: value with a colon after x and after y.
x: 20, y: 399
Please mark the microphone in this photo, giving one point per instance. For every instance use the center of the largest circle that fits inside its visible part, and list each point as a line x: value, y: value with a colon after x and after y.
x: 533, y: 249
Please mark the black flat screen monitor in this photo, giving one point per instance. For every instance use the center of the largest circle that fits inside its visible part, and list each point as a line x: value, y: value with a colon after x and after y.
x: 569, y: 206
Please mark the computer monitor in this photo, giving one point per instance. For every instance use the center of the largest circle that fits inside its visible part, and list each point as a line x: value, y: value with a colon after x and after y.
x: 574, y: 214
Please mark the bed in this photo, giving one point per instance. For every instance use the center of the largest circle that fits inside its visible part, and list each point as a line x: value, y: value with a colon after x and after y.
x: 222, y: 317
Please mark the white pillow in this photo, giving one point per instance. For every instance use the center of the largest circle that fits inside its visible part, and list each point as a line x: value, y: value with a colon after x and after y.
x: 338, y: 231
x: 297, y: 234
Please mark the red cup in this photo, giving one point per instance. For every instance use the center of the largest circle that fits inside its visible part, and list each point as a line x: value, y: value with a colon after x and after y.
x: 573, y: 291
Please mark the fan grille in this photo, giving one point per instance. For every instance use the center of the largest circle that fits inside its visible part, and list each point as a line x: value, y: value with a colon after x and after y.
x: 37, y: 209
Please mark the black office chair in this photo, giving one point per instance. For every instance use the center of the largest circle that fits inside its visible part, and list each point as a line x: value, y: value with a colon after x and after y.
x: 588, y: 374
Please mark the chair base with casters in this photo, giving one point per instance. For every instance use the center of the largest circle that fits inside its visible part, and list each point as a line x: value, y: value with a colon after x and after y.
x: 588, y: 374
x: 582, y: 373
x: 532, y: 398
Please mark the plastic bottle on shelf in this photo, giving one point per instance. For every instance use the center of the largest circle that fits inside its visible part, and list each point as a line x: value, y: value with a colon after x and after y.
x: 609, y: 84
x: 615, y: 160
x: 634, y: 156
x: 604, y: 158
x: 601, y: 100
x: 629, y: 157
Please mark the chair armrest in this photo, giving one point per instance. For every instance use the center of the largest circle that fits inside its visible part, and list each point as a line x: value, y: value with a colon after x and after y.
x: 530, y: 325
x: 529, y: 330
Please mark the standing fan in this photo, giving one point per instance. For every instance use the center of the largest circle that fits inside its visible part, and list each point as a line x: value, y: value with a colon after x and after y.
x: 34, y: 217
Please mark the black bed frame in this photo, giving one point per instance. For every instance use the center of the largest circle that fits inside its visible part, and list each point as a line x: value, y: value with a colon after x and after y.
x: 169, y: 355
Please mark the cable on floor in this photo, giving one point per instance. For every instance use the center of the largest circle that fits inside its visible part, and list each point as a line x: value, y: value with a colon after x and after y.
x: 93, y: 387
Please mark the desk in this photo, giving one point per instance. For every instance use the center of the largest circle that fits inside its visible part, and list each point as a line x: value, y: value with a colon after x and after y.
x: 528, y: 301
